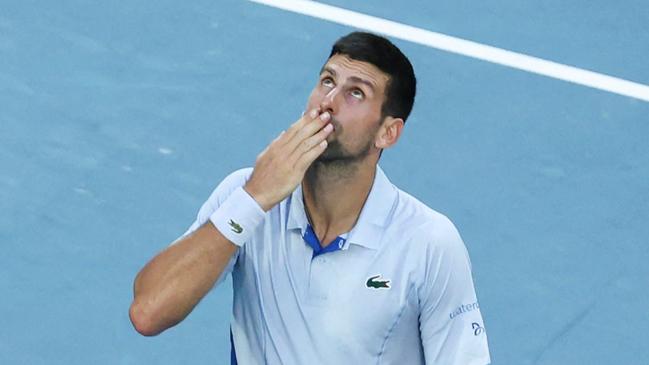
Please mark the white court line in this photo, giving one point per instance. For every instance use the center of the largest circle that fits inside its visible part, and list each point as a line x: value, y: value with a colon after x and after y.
x: 464, y: 47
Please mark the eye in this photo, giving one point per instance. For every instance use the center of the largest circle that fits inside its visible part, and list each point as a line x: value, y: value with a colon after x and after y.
x: 358, y: 94
x: 327, y: 82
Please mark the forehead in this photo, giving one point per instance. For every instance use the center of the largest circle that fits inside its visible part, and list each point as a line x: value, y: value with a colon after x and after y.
x: 346, y: 67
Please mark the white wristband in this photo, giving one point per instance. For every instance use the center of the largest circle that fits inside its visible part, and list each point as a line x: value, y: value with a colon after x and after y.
x: 238, y: 217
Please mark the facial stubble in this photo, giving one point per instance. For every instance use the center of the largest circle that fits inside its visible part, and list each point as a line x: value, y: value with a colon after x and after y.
x: 337, y: 154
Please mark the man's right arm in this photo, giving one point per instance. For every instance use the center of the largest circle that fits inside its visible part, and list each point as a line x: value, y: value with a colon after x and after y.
x: 172, y: 283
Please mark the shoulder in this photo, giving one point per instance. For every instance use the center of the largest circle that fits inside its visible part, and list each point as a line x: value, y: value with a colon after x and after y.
x: 233, y: 180
x: 229, y: 184
x: 434, y: 245
x: 428, y: 236
x: 222, y: 191
x: 237, y: 178
x: 427, y: 226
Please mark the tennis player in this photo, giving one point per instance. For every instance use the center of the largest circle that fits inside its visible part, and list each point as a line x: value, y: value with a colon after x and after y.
x: 330, y: 262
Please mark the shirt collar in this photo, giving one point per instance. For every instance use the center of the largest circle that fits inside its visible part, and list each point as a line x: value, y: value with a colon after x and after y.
x: 374, y: 216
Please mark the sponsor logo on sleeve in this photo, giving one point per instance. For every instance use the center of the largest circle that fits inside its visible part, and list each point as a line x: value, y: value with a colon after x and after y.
x: 464, y: 308
x: 477, y: 329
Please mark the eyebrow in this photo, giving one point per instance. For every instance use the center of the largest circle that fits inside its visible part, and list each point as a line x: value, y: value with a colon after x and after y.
x: 351, y: 78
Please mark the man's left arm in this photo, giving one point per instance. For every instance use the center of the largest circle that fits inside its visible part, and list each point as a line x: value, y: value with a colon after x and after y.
x: 451, y: 326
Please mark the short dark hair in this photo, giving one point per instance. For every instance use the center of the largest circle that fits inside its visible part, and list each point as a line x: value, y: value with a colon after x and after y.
x: 380, y: 52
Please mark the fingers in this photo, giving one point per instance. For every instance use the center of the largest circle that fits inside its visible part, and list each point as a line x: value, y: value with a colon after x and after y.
x: 306, y: 159
x: 279, y: 136
x: 300, y: 123
x: 308, y: 130
x: 281, y: 166
x: 311, y: 142
x: 286, y: 142
x: 303, y: 138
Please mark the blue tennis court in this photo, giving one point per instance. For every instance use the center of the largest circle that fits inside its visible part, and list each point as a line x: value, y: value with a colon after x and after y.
x: 117, y: 119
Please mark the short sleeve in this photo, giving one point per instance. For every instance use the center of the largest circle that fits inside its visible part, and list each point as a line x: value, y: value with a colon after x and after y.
x: 451, y: 326
x: 219, y: 195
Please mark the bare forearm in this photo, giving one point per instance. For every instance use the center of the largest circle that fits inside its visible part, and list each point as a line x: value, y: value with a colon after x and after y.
x: 168, y: 287
x: 172, y: 283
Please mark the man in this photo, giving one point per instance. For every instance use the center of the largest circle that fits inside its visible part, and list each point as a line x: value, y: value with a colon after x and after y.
x: 331, y: 263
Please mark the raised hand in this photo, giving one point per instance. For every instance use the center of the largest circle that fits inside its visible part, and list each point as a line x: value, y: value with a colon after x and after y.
x: 281, y: 166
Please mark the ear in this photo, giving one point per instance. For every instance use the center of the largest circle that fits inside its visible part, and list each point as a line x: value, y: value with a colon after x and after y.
x: 389, y: 133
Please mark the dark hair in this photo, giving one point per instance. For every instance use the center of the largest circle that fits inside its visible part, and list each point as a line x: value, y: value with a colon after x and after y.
x: 380, y: 52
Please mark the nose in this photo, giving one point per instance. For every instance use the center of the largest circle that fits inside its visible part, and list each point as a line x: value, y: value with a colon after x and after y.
x: 329, y: 101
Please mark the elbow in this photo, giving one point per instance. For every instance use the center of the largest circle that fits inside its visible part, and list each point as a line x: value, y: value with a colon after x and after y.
x: 142, y: 320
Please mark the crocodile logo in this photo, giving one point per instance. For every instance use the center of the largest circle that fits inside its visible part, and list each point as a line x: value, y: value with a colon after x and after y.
x: 377, y: 284
x: 236, y: 228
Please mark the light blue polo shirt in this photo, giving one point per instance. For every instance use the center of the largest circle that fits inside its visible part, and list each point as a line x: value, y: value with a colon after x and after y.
x: 396, y: 289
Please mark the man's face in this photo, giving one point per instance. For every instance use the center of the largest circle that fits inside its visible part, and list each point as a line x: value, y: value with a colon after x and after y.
x: 353, y: 92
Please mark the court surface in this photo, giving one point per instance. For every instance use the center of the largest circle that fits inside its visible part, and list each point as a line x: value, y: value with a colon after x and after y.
x: 117, y: 119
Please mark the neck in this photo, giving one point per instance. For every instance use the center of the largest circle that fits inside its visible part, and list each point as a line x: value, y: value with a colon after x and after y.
x: 334, y: 196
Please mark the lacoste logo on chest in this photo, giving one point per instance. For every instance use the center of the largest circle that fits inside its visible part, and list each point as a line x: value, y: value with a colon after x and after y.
x: 374, y: 283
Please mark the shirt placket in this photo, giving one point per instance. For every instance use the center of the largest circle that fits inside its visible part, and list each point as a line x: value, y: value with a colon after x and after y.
x: 321, y: 276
